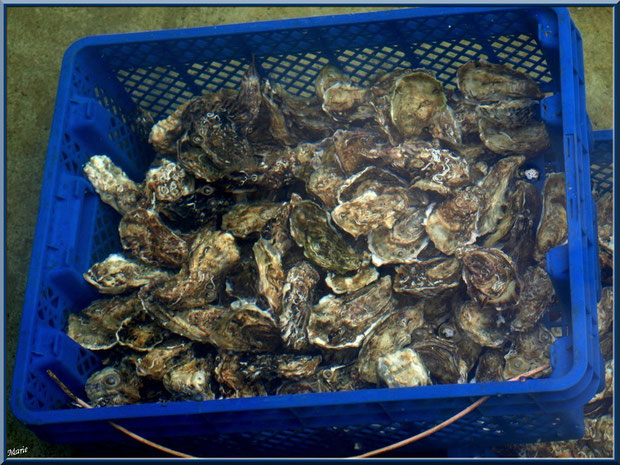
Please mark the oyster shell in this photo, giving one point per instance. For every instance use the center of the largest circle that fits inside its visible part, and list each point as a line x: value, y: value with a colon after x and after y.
x: 485, y: 82
x: 190, y: 378
x: 490, y: 366
x: 452, y: 223
x: 416, y: 98
x: 529, y: 140
x: 491, y: 277
x: 167, y: 182
x: 440, y: 356
x: 508, y: 113
x: 482, y: 324
x: 322, y: 243
x: 140, y: 332
x: 602, y: 402
x: 113, y: 386
x: 355, y: 149
x: 270, y: 272
x: 112, y: 184
x: 402, y: 368
x: 468, y: 349
x: 145, y: 237
x: 287, y: 366
x: 342, y: 100
x: 325, y: 183
x: 156, y: 363
x: 117, y: 275
x: 427, y: 279
x: 393, y: 333
x: 604, y: 216
x: 530, y: 350
x: 343, y: 322
x: 297, y: 296
x: 213, y: 253
x: 553, y: 227
x: 165, y: 133
x: 605, y: 311
x: 403, y: 243
x: 437, y: 170
x: 536, y: 296
x: 244, y: 219
x: 95, y: 326
x: 341, y: 284
x: 231, y: 379
x: 340, y: 378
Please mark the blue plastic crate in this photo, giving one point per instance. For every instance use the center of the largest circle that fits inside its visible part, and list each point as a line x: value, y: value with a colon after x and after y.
x: 104, y: 79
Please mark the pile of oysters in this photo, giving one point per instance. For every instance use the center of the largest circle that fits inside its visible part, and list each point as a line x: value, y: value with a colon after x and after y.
x: 381, y: 236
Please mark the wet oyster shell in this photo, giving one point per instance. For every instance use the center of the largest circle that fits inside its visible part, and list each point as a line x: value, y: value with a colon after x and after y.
x: 270, y: 272
x: 403, y: 243
x: 322, y: 243
x: 602, y: 402
x: 605, y: 311
x: 393, y: 333
x: 297, y: 296
x: 604, y: 216
x: 113, y: 386
x: 95, y: 326
x: 536, y: 296
x: 165, y: 133
x: 529, y: 140
x: 145, y: 237
x: 343, y: 322
x: 491, y: 277
x: 117, y: 275
x: 428, y: 278
x: 190, y: 379
x: 402, y: 368
x: 325, y: 183
x: 342, y: 100
x: 552, y: 230
x: 112, y: 184
x: 440, y: 356
x: 287, y: 366
x: 437, y: 170
x: 342, y: 284
x: 452, y: 223
x: 168, y: 182
x: 355, y: 149
x: 508, y: 113
x: 530, y: 350
x: 140, y: 332
x: 232, y: 381
x: 482, y: 324
x: 416, y: 98
x: 485, y: 82
x: 158, y: 360
x: 468, y: 349
x: 244, y: 219
x: 490, y: 366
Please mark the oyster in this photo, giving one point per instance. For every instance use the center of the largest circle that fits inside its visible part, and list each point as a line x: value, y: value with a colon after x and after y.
x: 343, y: 322
x: 392, y: 334
x: 164, y: 134
x: 341, y: 284
x: 117, y: 275
x: 468, y: 349
x: 156, y: 363
x: 196, y: 161
x: 340, y: 378
x: 232, y: 381
x: 485, y: 82
x: 140, y: 332
x: 529, y: 140
x: 213, y: 253
x: 297, y: 296
x: 498, y: 185
x: 322, y: 244
x: 246, y: 327
x: 270, y: 272
x: 287, y: 366
x: 440, y: 356
x: 536, y: 297
x: 605, y: 311
x: 402, y: 368
x: 342, y: 100
x: 508, y: 113
x: 416, y: 98
x: 95, y: 326
x: 403, y: 243
x: 245, y: 219
x: 112, y: 184
x: 491, y: 277
x: 482, y: 324
x: 190, y: 378
x: 113, y: 386
x: 605, y: 215
x: 553, y: 227
x: 167, y: 182
x: 530, y: 350
x: 436, y: 170
x: 465, y: 113
x: 602, y: 402
x: 325, y: 183
x: 452, y: 223
x: 145, y: 237
x: 427, y: 279
x: 490, y: 366
x: 355, y: 149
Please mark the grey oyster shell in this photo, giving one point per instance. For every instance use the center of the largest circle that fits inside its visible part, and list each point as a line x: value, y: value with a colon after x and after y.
x: 428, y: 279
x: 402, y: 368
x: 343, y: 322
x: 440, y: 356
x: 244, y: 219
x: 113, y: 386
x: 552, y: 230
x: 529, y: 140
x: 490, y: 366
x: 167, y: 182
x: 530, y: 350
x: 482, y: 324
x: 190, y: 378
x: 112, y: 184
x: 604, y: 216
x: 536, y: 296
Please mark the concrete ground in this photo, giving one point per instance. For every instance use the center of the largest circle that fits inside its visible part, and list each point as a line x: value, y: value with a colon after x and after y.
x: 37, y: 38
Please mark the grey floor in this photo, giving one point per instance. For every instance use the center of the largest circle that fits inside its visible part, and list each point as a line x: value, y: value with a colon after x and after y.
x: 37, y: 38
